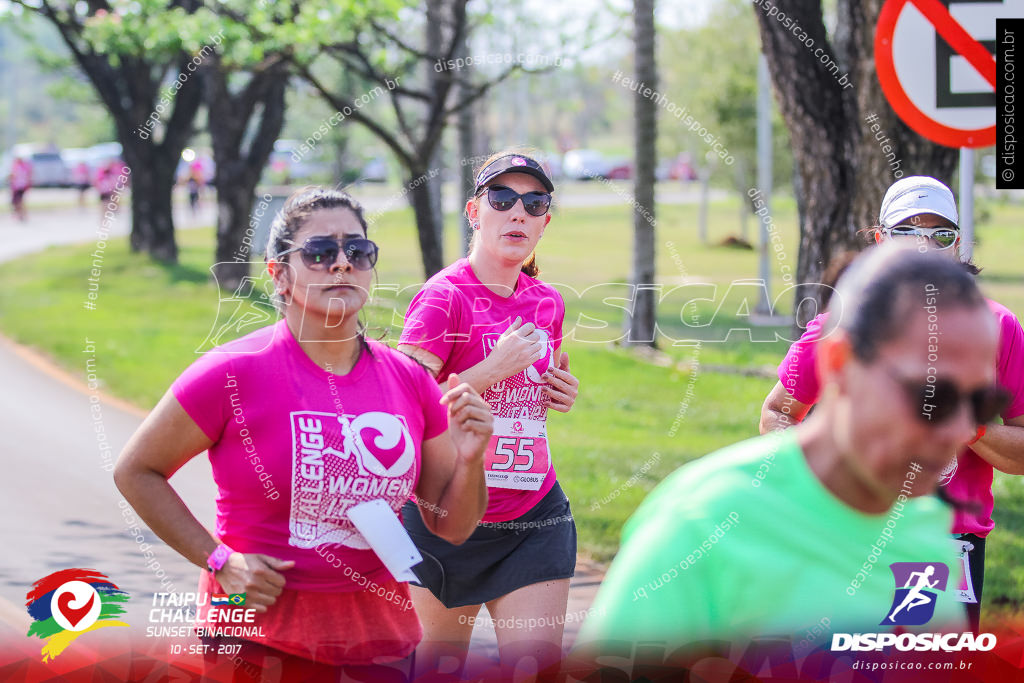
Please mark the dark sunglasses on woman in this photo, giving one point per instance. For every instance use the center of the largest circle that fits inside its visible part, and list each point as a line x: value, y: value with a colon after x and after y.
x: 503, y: 198
x: 937, y: 401
x: 321, y: 252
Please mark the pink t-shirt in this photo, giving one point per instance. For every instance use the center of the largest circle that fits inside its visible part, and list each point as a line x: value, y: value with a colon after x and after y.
x: 21, y: 175
x: 969, y: 477
x: 458, y: 319
x: 105, y: 181
x: 296, y: 446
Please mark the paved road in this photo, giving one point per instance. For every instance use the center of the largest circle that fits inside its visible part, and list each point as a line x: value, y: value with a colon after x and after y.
x: 58, y: 503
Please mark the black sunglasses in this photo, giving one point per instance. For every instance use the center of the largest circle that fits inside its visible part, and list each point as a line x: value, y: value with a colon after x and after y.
x: 935, y: 402
x: 321, y: 252
x: 503, y: 198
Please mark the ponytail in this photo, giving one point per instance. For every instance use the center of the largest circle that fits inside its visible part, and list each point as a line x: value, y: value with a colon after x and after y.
x: 530, y: 267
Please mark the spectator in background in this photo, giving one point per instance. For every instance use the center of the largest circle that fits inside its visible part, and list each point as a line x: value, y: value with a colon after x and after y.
x: 20, y: 180
x: 194, y: 184
x: 106, y: 181
x: 80, y: 179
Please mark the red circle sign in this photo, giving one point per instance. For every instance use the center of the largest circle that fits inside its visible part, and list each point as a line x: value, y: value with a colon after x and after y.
x: 896, y: 93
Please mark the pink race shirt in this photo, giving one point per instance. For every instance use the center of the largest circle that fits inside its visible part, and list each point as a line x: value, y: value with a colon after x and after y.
x: 295, y: 446
x: 459, y: 320
x: 21, y: 175
x: 969, y: 477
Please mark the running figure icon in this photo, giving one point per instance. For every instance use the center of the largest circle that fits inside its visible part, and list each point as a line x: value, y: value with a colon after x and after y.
x: 915, y: 598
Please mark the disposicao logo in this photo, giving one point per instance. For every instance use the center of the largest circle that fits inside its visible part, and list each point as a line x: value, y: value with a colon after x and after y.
x: 71, y: 602
x: 914, y: 602
x: 918, y: 585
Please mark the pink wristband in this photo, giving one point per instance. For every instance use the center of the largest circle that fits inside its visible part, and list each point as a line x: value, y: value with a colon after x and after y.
x: 218, y: 558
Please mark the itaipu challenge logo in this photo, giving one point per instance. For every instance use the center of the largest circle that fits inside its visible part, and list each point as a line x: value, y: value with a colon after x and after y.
x: 68, y: 603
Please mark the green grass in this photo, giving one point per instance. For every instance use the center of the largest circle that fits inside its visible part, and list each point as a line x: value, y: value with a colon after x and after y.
x: 633, y: 423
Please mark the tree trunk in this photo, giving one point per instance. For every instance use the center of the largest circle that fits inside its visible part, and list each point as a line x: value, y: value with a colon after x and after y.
x: 130, y: 90
x: 840, y: 167
x: 466, y: 128
x: 152, y: 182
x: 640, y: 319
x: 428, y: 228
x: 243, y: 127
x: 231, y: 263
x: 467, y: 151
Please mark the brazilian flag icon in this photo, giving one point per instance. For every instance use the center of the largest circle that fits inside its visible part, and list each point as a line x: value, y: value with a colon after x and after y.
x: 236, y: 599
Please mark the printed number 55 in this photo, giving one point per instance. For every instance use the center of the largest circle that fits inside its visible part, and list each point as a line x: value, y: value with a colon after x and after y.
x: 505, y: 447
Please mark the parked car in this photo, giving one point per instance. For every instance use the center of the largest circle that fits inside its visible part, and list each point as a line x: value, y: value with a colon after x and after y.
x: 584, y: 164
x: 619, y: 170
x: 552, y: 164
x: 48, y: 169
x: 290, y: 162
x: 80, y: 166
x: 679, y: 167
x: 375, y: 171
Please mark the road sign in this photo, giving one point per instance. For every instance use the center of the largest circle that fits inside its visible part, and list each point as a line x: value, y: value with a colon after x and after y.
x: 935, y: 62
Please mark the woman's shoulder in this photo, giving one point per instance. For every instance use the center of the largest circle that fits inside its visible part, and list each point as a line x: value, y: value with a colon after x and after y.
x: 1006, y: 317
x: 245, y: 350
x: 399, y: 362
x: 457, y: 273
x: 447, y: 283
x: 537, y: 288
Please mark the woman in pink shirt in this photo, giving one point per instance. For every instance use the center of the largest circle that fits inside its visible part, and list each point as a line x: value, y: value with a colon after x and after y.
x: 309, y: 426
x: 488, y: 318
x: 922, y: 209
x: 20, y: 181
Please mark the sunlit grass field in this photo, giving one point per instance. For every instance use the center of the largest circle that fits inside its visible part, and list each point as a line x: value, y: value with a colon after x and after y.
x: 638, y: 417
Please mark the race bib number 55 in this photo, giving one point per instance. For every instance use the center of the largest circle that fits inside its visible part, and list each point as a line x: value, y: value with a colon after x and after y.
x: 520, y: 461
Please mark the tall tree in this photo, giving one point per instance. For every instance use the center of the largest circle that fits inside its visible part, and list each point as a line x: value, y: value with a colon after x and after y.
x: 421, y: 108
x: 243, y: 123
x: 416, y: 135
x: 640, y: 318
x: 128, y: 78
x: 841, y: 167
x: 722, y: 99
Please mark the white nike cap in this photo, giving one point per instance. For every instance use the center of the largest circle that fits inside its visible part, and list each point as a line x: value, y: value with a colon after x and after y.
x: 915, y: 195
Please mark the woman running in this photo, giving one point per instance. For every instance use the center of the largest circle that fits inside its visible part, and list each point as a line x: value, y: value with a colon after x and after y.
x: 921, y: 210
x: 311, y: 428
x: 803, y: 532
x: 488, y: 318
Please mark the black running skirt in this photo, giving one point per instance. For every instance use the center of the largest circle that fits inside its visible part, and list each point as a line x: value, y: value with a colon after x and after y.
x: 499, y: 557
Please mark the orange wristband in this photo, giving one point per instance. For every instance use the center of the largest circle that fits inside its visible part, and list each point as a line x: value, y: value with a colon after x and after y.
x: 981, y: 433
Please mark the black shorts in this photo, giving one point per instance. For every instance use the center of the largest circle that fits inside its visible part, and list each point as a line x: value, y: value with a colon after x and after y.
x: 499, y: 557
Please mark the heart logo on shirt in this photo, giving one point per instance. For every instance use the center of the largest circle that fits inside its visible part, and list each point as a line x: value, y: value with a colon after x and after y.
x: 384, y: 444
x: 387, y: 457
x: 541, y: 365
